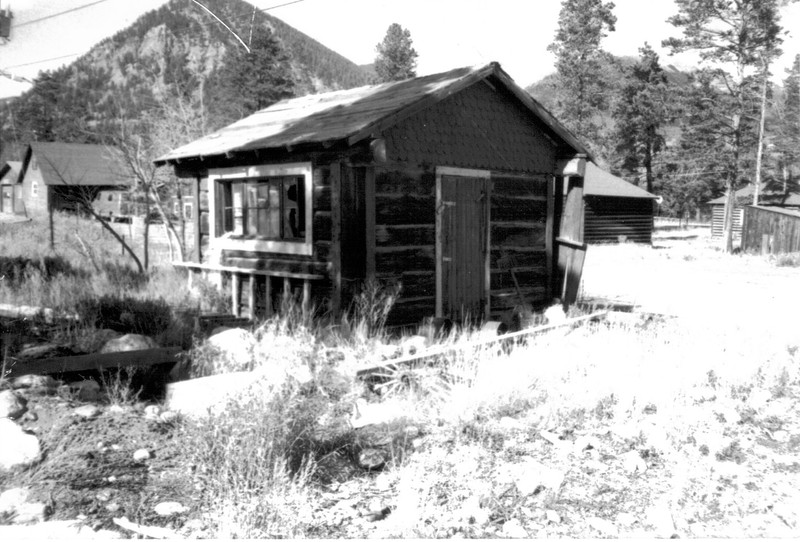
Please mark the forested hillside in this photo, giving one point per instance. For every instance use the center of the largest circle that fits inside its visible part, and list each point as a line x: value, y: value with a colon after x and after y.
x: 179, y: 51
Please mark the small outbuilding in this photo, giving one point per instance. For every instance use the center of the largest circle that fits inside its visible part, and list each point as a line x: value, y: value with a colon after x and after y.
x: 772, y: 193
x: 458, y: 186
x: 58, y: 176
x: 770, y: 229
x: 616, y: 210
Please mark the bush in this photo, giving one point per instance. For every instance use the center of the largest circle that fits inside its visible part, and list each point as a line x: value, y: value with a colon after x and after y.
x: 126, y: 314
x: 791, y: 259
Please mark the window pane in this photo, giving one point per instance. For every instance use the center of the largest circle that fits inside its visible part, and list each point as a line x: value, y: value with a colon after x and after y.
x: 238, y: 209
x: 274, y: 209
x: 252, y: 209
x: 294, y: 221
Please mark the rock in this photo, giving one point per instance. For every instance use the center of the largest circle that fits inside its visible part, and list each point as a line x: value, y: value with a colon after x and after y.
x: 781, y: 436
x: 514, y: 529
x: 30, y: 417
x: 43, y: 383
x: 411, y: 432
x: 19, y: 449
x: 151, y: 412
x: 552, y: 516
x: 383, y: 413
x: 507, y: 423
x: 141, y: 455
x: 531, y: 475
x: 12, y: 405
x: 86, y: 390
x: 235, y: 348
x: 128, y: 343
x: 199, y: 397
x: 372, y: 459
x: 168, y: 416
x: 12, y: 499
x: 603, y: 526
x: 632, y: 462
x: 44, y: 351
x: 102, y: 336
x: 170, y: 508
x: 87, y: 411
x: 555, y: 314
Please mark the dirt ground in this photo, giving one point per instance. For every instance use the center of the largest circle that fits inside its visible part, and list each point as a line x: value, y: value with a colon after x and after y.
x: 728, y: 467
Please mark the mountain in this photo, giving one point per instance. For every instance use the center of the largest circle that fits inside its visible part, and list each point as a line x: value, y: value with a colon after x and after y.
x: 178, y: 46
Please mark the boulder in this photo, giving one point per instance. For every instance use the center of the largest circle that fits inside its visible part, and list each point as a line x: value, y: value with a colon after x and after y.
x: 170, y: 508
x: 40, y: 383
x: 128, y: 343
x: 19, y: 449
x: 14, y: 504
x: 87, y: 411
x: 12, y: 405
x: 141, y: 455
x: 201, y: 396
x: 234, y: 346
x: 86, y: 390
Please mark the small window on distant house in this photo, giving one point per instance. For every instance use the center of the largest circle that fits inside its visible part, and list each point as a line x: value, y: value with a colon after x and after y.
x: 268, y: 208
x: 34, y: 188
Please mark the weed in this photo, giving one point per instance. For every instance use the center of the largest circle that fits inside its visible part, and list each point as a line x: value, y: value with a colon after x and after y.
x: 732, y: 452
x: 119, y: 388
x: 791, y: 259
x: 372, y: 305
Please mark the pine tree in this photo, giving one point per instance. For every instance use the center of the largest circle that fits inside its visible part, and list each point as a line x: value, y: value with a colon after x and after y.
x: 640, y: 113
x: 250, y: 81
x: 733, y: 37
x: 397, y: 59
x: 789, y: 140
x: 582, y: 25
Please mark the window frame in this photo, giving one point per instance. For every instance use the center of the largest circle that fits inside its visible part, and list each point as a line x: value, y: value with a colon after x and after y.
x: 228, y: 241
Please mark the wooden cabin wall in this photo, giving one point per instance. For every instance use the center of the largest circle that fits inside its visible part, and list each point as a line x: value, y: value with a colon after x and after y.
x: 317, y: 264
x: 405, y: 239
x: 518, y: 237
x: 609, y: 218
x: 781, y: 228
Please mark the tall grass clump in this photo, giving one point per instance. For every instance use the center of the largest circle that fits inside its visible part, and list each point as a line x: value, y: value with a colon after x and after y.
x: 790, y: 259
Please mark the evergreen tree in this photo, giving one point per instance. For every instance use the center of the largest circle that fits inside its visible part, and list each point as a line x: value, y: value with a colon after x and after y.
x: 582, y: 25
x: 397, y: 59
x: 250, y: 81
x: 732, y: 37
x: 789, y: 140
x: 640, y: 114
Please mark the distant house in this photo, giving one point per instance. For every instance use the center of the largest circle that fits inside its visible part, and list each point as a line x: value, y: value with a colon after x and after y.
x: 772, y: 193
x: 458, y: 185
x: 57, y: 176
x: 616, y: 210
x: 10, y: 202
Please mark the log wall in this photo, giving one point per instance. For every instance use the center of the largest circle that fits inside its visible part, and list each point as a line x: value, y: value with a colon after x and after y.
x: 610, y: 219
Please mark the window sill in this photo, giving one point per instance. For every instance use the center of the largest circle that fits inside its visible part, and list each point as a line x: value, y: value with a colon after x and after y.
x: 301, y: 248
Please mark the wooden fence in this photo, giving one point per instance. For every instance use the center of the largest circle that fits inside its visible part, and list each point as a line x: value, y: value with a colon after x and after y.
x: 771, y: 230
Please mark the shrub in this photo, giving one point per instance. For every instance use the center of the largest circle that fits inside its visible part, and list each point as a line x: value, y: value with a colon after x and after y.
x: 126, y: 314
x: 791, y: 259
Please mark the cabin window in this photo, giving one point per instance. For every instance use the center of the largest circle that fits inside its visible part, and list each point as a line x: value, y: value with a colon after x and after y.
x: 270, y: 208
x: 264, y: 208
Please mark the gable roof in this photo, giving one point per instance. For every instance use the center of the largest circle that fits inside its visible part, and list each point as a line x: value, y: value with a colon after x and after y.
x: 598, y: 182
x: 353, y: 115
x: 9, y: 172
x: 77, y: 164
x: 770, y: 193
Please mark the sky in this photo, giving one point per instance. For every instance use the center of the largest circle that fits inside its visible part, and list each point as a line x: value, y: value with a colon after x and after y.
x: 446, y: 33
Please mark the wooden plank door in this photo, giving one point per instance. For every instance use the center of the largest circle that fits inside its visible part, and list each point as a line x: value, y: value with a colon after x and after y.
x: 463, y: 240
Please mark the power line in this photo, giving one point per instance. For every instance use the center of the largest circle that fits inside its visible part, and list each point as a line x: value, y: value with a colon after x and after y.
x: 59, y: 13
x: 41, y: 61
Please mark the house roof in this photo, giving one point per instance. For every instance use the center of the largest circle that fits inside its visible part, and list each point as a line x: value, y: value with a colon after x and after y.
x: 770, y: 193
x: 779, y: 210
x: 9, y: 172
x: 598, y: 182
x: 77, y: 164
x: 356, y: 114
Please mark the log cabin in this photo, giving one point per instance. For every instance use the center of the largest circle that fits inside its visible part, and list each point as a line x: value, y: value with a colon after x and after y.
x: 458, y: 186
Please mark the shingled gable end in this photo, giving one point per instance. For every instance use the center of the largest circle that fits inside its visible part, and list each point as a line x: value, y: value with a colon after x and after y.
x: 453, y: 185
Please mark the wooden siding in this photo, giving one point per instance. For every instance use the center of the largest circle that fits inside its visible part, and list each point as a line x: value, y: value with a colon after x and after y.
x: 480, y: 128
x: 718, y: 221
x: 518, y: 237
x: 405, y: 249
x: 609, y: 219
x: 781, y: 228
